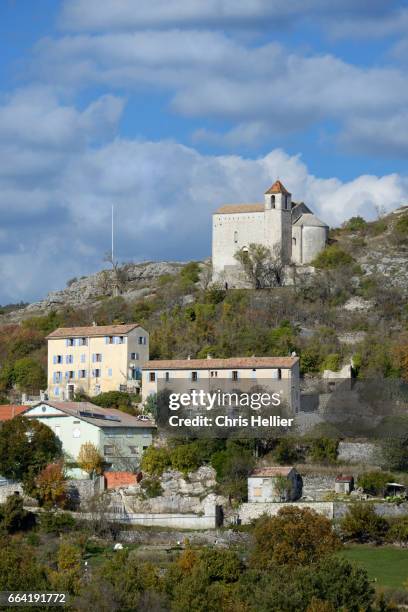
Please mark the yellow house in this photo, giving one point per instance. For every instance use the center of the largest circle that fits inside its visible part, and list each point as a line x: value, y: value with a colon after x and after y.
x: 95, y: 359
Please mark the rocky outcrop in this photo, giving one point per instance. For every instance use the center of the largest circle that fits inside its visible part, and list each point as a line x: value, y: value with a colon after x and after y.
x: 136, y: 281
x: 180, y: 494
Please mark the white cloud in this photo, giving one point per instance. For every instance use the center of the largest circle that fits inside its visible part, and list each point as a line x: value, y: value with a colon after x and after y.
x: 164, y: 194
x: 260, y: 90
x: 124, y: 14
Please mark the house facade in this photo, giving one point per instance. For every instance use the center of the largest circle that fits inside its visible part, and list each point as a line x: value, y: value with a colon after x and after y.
x: 249, y: 372
x: 289, y: 230
x: 120, y: 438
x: 95, y: 359
x: 274, y: 484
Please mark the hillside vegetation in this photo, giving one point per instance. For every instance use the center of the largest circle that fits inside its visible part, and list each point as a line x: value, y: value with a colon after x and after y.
x: 354, y: 305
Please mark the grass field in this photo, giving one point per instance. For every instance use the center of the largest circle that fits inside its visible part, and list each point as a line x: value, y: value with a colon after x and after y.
x: 387, y: 565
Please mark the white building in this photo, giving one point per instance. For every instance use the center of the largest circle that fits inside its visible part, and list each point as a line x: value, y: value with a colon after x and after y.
x: 287, y: 228
x: 274, y: 484
x: 247, y: 372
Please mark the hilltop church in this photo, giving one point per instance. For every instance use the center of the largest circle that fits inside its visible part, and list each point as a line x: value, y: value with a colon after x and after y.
x: 283, y: 226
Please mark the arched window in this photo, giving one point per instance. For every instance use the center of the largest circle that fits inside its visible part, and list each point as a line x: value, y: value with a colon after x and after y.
x: 235, y: 237
x: 294, y: 241
x: 273, y: 201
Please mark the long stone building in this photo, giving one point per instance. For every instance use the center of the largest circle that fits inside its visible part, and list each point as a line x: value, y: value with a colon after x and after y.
x: 285, y: 227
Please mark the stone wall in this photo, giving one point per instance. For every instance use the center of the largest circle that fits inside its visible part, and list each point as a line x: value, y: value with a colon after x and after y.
x: 171, y: 537
x: 316, y: 486
x: 381, y: 508
x: 360, y: 452
x: 250, y: 511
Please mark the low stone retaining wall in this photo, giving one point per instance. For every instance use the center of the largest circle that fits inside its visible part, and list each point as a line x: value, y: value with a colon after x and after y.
x: 250, y: 511
x: 385, y: 509
x: 360, y: 452
x: 177, y: 521
x: 213, y: 537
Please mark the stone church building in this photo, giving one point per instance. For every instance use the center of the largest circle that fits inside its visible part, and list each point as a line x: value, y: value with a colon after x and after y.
x: 287, y: 228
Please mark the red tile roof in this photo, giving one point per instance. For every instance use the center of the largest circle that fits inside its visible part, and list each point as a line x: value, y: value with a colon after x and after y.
x: 221, y: 364
x: 92, y: 331
x: 9, y: 411
x: 344, y: 478
x: 270, y: 472
x: 277, y: 187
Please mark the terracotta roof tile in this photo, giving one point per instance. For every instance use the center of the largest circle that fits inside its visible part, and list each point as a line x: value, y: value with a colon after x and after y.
x: 265, y: 472
x: 92, y: 331
x: 230, y: 209
x: 9, y: 411
x: 221, y: 364
x: 277, y: 187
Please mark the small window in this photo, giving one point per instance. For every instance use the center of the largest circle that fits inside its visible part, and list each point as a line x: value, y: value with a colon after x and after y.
x: 273, y: 201
x: 134, y: 356
x: 109, y: 371
x: 82, y: 373
x: 152, y: 376
x: 279, y: 373
x: 257, y: 491
x: 145, y: 448
x: 108, y: 450
x: 234, y: 374
x: 214, y: 374
x: 167, y: 376
x: 96, y: 373
x: 194, y: 376
x: 236, y: 237
x: 142, y: 340
x: 294, y: 241
x: 133, y: 450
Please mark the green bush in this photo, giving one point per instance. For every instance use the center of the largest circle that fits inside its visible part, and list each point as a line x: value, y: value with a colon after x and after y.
x: 57, y: 522
x: 332, y: 257
x: 355, y: 224
x: 151, y: 487
x: 374, y: 483
x: 324, y: 450
x: 363, y: 524
x: 398, y: 531
x: 155, y: 460
x: 332, y: 362
x: 185, y: 458
x: 13, y: 517
x: 286, y: 452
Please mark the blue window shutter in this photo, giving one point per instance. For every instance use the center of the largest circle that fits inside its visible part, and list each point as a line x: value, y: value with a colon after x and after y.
x: 67, y: 342
x: 93, y: 357
x: 54, y: 378
x: 106, y: 339
x: 54, y: 359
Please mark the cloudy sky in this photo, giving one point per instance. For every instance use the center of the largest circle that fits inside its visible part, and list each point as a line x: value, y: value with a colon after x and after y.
x: 169, y: 108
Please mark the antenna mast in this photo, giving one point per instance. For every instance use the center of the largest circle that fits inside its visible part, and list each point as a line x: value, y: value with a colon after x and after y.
x: 112, y: 235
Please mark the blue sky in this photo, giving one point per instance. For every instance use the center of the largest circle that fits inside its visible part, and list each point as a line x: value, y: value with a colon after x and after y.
x: 168, y: 109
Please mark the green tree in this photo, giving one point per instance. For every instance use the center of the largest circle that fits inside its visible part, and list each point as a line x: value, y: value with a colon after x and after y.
x: 26, y: 447
x: 363, y: 524
x: 155, y: 460
x: 185, y: 458
x: 13, y: 516
x: 296, y: 536
x: 29, y: 375
x: 324, y: 450
x: 374, y: 483
x: 233, y: 466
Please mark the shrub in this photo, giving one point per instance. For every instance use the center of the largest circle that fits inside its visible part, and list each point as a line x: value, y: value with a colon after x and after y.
x: 398, y: 531
x: 332, y: 257
x: 355, y: 224
x: 151, y: 487
x: 324, y: 450
x: 56, y: 522
x: 295, y: 537
x: 13, y: 517
x: 185, y: 458
x: 286, y: 452
x: 155, y: 460
x: 332, y: 362
x: 374, y: 483
x: 363, y: 524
